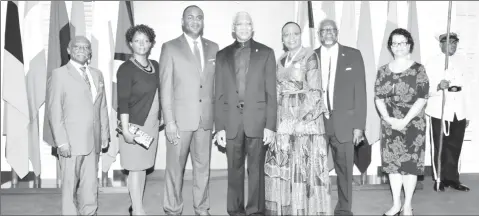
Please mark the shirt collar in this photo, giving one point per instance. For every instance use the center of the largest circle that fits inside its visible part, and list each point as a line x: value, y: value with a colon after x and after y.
x: 191, y: 40
x: 331, y: 50
x: 78, y: 65
x: 246, y: 44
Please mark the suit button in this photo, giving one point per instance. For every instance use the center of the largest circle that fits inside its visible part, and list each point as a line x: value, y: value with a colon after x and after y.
x: 236, y: 91
x: 200, y: 100
x: 201, y: 86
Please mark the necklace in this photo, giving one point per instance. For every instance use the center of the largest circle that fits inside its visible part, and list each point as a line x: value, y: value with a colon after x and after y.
x: 147, y: 69
x: 287, y: 63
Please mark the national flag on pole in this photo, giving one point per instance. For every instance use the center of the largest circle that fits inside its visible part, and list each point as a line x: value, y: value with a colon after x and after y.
x: 413, y: 28
x: 122, y: 50
x: 102, y: 58
x: 15, y: 94
x: 77, y: 20
x: 347, y: 35
x: 305, y: 19
x: 365, y: 45
x: 391, y: 24
x: 122, y: 54
x: 58, y: 40
x: 36, y: 76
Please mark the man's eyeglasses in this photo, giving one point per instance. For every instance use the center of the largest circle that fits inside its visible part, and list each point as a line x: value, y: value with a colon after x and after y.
x: 331, y: 30
x: 401, y: 44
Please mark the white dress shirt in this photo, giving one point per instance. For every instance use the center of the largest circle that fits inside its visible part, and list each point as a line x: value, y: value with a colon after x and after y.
x: 457, y: 103
x: 90, y: 78
x: 327, y: 55
x: 190, y: 41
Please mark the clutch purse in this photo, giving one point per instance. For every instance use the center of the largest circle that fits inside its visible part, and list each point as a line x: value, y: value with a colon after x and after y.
x: 143, y: 139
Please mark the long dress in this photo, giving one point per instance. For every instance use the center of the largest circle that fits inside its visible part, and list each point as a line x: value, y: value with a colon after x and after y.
x: 296, y: 172
x: 403, y: 151
x: 133, y: 156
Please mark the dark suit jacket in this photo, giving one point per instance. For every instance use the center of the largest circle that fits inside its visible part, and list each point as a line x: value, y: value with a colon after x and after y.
x: 260, y: 103
x: 349, y: 99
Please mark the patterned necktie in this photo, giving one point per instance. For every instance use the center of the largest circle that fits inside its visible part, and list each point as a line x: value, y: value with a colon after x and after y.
x: 197, y: 55
x: 85, y: 77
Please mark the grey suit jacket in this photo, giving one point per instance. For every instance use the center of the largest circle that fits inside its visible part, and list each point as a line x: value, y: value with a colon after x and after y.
x: 349, y: 93
x: 186, y: 92
x: 73, y: 117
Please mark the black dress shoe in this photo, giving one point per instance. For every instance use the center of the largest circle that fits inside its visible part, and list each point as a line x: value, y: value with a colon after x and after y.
x: 458, y: 186
x: 441, y: 187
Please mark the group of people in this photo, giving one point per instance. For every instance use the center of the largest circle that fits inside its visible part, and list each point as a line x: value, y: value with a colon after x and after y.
x: 282, y: 117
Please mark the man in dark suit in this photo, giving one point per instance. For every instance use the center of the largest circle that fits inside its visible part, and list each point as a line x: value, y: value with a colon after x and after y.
x: 345, y: 93
x: 245, y: 113
x: 187, y: 67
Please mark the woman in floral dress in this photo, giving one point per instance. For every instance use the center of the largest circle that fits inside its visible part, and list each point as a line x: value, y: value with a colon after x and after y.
x: 401, y: 90
x: 297, y: 180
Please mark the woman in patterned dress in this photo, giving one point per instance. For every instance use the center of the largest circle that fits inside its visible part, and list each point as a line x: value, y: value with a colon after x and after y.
x: 297, y: 179
x: 401, y: 90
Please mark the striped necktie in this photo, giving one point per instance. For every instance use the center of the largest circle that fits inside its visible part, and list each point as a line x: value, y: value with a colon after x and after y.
x: 197, y: 55
x: 85, y: 77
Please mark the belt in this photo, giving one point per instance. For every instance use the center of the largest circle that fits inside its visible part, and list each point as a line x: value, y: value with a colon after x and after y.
x: 240, y: 105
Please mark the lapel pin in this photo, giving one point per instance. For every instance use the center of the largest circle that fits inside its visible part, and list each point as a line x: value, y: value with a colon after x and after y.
x: 342, y: 54
x: 256, y: 50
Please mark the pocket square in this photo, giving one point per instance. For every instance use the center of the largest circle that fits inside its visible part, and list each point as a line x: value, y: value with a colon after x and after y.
x: 348, y: 68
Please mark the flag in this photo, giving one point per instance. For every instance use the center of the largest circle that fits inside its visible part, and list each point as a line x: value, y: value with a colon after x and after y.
x: 305, y: 19
x: 77, y: 20
x: 102, y: 58
x: 329, y: 9
x: 365, y: 45
x: 15, y: 94
x: 413, y: 28
x: 122, y: 54
x: 391, y: 24
x: 36, y: 76
x: 347, y: 33
x: 59, y: 37
x: 122, y: 50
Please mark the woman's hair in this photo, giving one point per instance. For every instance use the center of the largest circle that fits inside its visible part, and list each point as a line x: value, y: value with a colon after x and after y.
x: 406, y: 34
x: 290, y: 22
x: 149, y: 32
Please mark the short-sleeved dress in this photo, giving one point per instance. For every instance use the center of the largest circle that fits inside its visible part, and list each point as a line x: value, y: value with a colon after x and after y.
x: 135, y: 157
x: 403, y: 151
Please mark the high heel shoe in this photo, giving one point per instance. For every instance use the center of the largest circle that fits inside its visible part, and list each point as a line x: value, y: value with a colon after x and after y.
x: 397, y: 214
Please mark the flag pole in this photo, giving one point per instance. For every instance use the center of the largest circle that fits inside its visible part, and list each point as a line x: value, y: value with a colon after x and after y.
x: 441, y: 135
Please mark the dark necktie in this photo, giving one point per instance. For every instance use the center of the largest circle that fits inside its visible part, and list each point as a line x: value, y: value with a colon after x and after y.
x: 327, y: 88
x: 197, y: 55
x: 85, y: 77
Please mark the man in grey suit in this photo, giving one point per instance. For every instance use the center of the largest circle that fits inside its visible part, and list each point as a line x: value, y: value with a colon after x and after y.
x: 78, y: 118
x: 187, y: 66
x: 343, y: 74
x: 245, y: 113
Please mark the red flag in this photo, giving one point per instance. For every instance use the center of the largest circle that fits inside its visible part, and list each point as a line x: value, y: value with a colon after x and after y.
x: 17, y: 115
x: 36, y: 76
x: 413, y: 28
x: 59, y: 37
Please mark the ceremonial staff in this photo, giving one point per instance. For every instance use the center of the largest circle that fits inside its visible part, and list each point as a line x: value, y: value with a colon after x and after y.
x: 441, y: 134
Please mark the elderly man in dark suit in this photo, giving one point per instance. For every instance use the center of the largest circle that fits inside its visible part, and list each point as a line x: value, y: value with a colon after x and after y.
x: 77, y: 117
x: 343, y: 74
x: 245, y: 113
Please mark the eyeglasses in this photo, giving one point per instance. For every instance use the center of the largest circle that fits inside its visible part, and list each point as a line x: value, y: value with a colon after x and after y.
x: 331, y: 30
x: 453, y: 42
x: 402, y: 44
x: 76, y: 48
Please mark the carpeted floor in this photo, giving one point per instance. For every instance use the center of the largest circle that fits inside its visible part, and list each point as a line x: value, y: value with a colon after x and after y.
x: 366, y: 202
